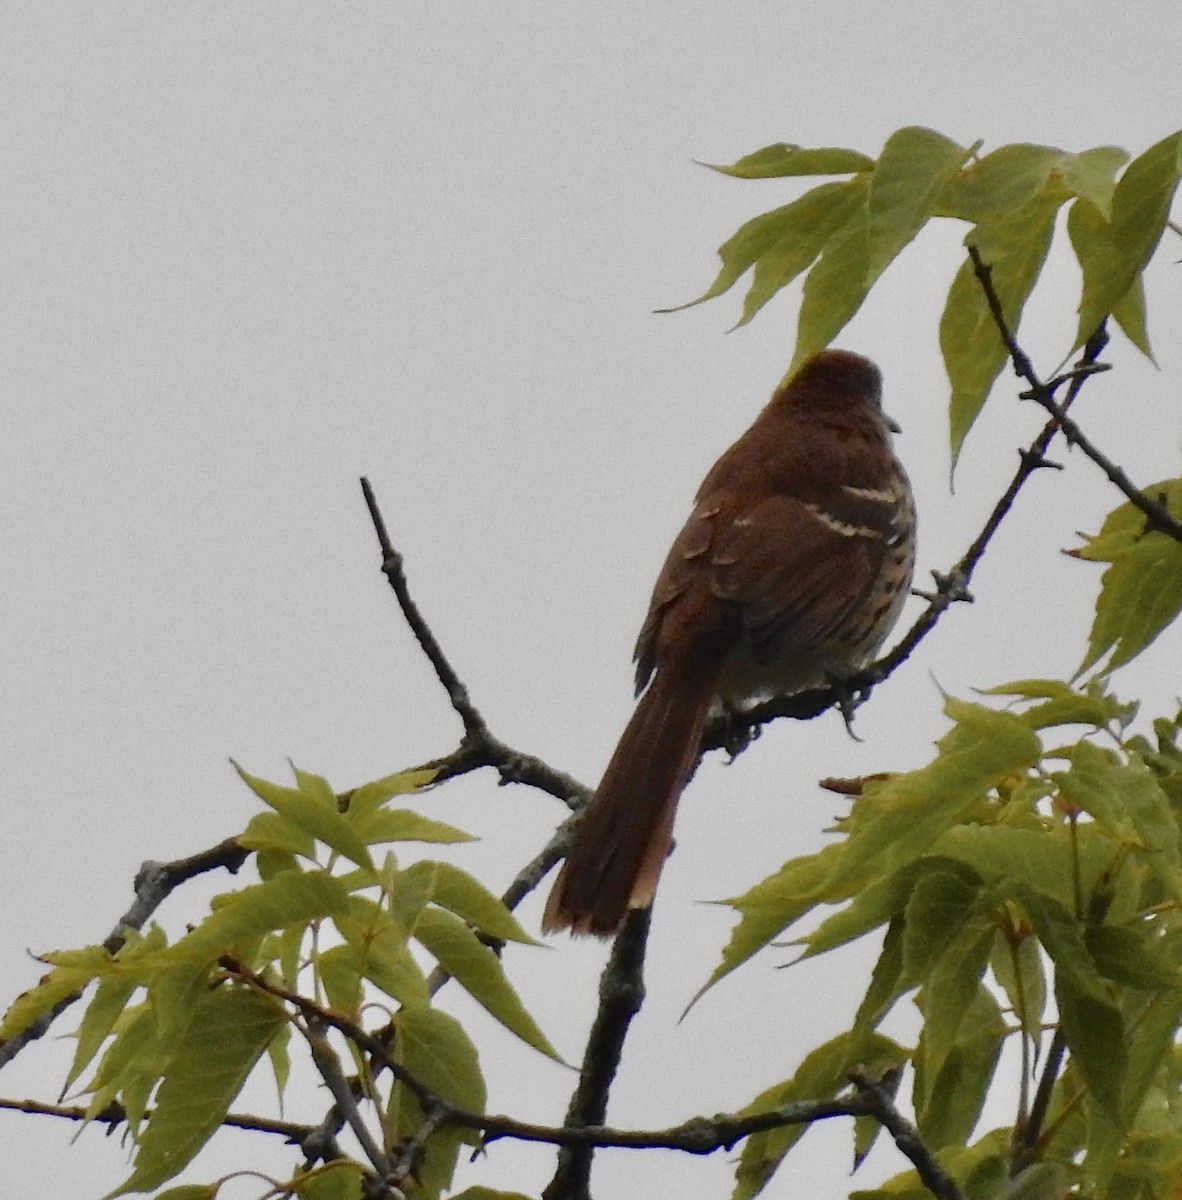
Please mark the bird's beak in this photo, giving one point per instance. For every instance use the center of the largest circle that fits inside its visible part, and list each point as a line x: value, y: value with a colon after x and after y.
x: 892, y: 424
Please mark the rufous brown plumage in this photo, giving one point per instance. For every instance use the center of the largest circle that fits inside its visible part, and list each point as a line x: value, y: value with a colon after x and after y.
x: 789, y: 573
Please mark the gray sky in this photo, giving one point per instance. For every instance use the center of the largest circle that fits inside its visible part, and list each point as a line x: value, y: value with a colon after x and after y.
x: 255, y: 251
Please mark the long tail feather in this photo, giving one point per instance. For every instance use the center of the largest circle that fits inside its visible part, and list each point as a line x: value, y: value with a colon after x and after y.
x: 626, y: 832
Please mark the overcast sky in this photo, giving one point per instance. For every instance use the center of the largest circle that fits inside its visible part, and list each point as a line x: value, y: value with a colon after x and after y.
x: 254, y: 251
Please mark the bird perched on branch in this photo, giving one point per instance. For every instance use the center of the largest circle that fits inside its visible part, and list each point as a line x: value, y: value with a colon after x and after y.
x: 789, y: 574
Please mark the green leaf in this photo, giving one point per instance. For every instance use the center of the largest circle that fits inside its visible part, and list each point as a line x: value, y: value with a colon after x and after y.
x: 1153, y: 817
x: 1129, y: 314
x: 1091, y: 785
x: 914, y: 168
x: 1060, y: 933
x: 1013, y: 245
x: 901, y: 819
x: 280, y: 1058
x: 800, y: 234
x: 228, y: 1033
x: 339, y: 971
x: 866, y: 911
x: 1018, y: 968
x: 459, y: 892
x: 312, y: 807
x: 1141, y: 592
x: 479, y: 972
x: 1001, y: 181
x: 1096, y: 1036
x: 382, y: 954
x: 293, y: 898
x: 174, y: 993
x: 769, y: 907
x: 1140, y: 208
x: 1040, y: 1181
x: 781, y: 243
x: 1126, y: 800
x: 109, y: 1001
x: 338, y: 1180
x: 951, y: 1085
x: 1043, y: 860
x: 130, y: 1066
x: 405, y: 825
x: 61, y: 984
x: 878, y: 903
x: 981, y: 1169
x: 190, y: 1191
x: 781, y: 160
x: 286, y: 953
x: 885, y: 987
x: 1127, y: 954
x: 896, y: 821
x: 370, y: 796
x: 1091, y: 236
x: 1066, y: 705
x: 951, y: 987
x: 940, y: 906
x: 268, y: 832
x: 1091, y: 175
x: 434, y: 1048
x: 1153, y: 1028
x: 822, y: 1074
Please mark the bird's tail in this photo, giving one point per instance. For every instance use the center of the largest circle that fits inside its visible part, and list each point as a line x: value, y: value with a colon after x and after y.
x: 626, y: 831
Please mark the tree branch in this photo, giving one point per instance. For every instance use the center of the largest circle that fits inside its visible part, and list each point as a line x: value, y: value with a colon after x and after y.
x: 392, y: 568
x: 621, y: 995
x: 114, y: 1115
x: 698, y: 1135
x: 1157, y: 515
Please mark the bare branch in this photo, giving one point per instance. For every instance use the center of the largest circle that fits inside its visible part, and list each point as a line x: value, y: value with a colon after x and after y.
x: 621, y: 994
x: 114, y: 1115
x: 457, y: 693
x: 1157, y: 515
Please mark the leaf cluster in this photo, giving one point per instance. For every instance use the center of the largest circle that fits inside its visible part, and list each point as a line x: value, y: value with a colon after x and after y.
x: 1025, y: 889
x: 1141, y: 592
x: 172, y: 1032
x: 842, y: 235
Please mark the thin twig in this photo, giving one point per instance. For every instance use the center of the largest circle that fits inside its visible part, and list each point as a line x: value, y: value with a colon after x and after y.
x: 114, y: 1115
x: 1029, y: 1134
x: 474, y: 723
x: 1157, y: 515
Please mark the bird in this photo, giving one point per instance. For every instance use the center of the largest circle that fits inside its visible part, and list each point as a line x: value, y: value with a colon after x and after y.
x: 789, y: 574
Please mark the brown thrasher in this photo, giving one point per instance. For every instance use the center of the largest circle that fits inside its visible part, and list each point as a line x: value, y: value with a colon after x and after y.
x: 789, y: 573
